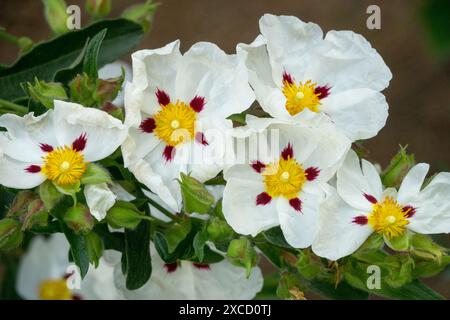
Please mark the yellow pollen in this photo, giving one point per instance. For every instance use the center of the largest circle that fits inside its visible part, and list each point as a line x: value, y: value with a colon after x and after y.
x: 301, y: 96
x: 64, y: 166
x: 388, y: 218
x: 175, y: 123
x: 284, y: 178
x: 54, y: 290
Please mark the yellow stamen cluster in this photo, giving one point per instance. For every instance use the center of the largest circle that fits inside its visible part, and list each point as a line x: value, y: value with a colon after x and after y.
x: 175, y: 123
x: 301, y: 96
x: 284, y: 178
x: 54, y: 290
x: 388, y: 218
x: 64, y: 166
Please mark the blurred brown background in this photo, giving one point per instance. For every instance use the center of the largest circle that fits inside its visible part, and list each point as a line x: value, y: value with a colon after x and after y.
x: 419, y: 94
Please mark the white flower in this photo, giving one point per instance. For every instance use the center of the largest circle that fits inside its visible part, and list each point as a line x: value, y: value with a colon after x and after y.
x: 57, y: 146
x: 46, y: 273
x: 189, y: 281
x: 177, y: 107
x: 361, y: 206
x: 297, y: 74
x: 285, y: 186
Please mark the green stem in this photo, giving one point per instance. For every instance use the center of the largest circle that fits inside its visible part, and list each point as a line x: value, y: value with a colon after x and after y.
x: 167, y: 213
x: 10, y: 106
x: 8, y: 37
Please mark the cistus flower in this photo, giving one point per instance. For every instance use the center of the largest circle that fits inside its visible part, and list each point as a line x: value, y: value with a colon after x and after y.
x: 286, y: 186
x: 297, y: 74
x: 57, y: 146
x: 45, y: 273
x: 361, y: 206
x: 185, y: 280
x: 177, y: 107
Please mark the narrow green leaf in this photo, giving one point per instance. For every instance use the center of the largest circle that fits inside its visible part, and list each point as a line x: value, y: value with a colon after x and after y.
x: 90, y: 61
x: 199, y: 244
x: 78, y: 249
x: 275, y: 236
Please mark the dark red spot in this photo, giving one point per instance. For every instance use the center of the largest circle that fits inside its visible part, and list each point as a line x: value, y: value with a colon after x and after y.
x: 76, y: 297
x: 296, y: 203
x: 312, y: 173
x: 163, y: 97
x: 197, y: 104
x: 200, y: 138
x: 287, y: 152
x: 258, y: 166
x: 322, y: 91
x: 148, y: 125
x: 46, y: 147
x: 361, y: 220
x: 287, y: 78
x: 80, y: 143
x: 169, y: 153
x: 370, y: 198
x: 409, y: 211
x: 171, y: 267
x: 263, y: 198
x: 201, y: 266
x: 33, y: 169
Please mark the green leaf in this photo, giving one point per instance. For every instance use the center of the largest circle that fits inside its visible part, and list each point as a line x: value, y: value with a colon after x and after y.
x: 95, y: 174
x: 78, y: 249
x: 273, y: 254
x: 239, y: 117
x: 275, y: 236
x: 176, y: 233
x: 137, y: 255
x: 111, y: 240
x: 196, y: 197
x: 199, y: 244
x: 90, y: 62
x: 47, y: 58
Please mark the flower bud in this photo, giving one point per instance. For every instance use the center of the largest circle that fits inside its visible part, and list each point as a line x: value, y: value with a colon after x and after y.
x: 307, y: 266
x: 36, y: 215
x: 399, y: 166
x: 242, y: 254
x: 424, y: 247
x: 79, y: 219
x: 25, y: 44
x: 49, y: 195
x: 98, y: 8
x: 11, y: 235
x: 219, y: 231
x: 107, y: 90
x: 20, y: 203
x: 56, y: 15
x: 82, y: 89
x: 141, y: 14
x: 123, y: 215
x: 95, y: 174
x: 46, y: 92
x: 94, y: 246
x: 196, y: 197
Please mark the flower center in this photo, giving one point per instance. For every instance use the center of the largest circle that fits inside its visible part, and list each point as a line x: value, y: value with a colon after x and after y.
x: 284, y: 178
x: 64, y: 166
x: 54, y: 290
x: 388, y: 218
x: 301, y: 96
x: 175, y: 123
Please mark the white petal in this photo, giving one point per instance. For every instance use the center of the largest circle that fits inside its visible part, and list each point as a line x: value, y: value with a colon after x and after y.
x: 153, y: 70
x: 154, y: 212
x: 359, y: 113
x: 239, y: 202
x: 222, y: 79
x: 137, y: 145
x: 338, y: 236
x: 120, y: 192
x: 412, y: 183
x: 46, y: 259
x: 13, y: 174
x: 104, y: 132
x: 300, y: 228
x: 291, y: 44
x: 432, y: 206
x: 267, y: 92
x: 346, y: 61
x: 99, y: 199
x: 25, y: 134
x: 352, y: 183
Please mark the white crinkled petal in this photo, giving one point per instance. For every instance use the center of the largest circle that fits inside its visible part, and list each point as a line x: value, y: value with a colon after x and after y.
x: 432, y: 206
x: 353, y: 182
x: 338, y: 236
x: 359, y: 113
x: 412, y: 183
x: 239, y: 202
x: 99, y: 199
x: 104, y: 132
x: 46, y: 259
x: 14, y: 175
